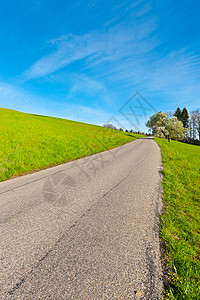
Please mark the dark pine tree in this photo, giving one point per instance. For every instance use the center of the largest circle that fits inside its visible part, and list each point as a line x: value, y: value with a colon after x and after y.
x: 178, y: 114
x: 185, y: 117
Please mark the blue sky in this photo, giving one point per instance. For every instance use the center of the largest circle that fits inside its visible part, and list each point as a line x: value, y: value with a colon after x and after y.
x: 86, y: 59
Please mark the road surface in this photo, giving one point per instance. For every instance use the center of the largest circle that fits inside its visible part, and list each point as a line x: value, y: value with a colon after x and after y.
x: 87, y: 229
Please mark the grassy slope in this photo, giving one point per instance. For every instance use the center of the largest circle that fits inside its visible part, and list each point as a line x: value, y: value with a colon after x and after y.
x: 30, y: 142
x: 180, y: 224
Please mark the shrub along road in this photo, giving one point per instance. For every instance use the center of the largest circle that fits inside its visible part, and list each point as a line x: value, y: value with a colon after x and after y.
x: 87, y: 229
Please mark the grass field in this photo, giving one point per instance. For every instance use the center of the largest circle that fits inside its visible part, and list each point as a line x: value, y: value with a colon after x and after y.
x: 180, y: 223
x: 30, y: 142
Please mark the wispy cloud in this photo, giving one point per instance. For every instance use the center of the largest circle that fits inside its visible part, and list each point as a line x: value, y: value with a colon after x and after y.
x: 100, y: 117
x: 9, y: 95
x: 17, y: 98
x: 113, y: 44
x: 175, y: 71
x: 24, y: 100
x: 174, y: 77
x: 89, y: 67
x: 85, y: 113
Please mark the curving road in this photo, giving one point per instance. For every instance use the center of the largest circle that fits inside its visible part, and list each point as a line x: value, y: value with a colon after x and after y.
x: 87, y: 229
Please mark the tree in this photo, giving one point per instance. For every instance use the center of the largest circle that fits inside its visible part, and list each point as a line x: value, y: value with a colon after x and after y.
x: 174, y: 129
x: 178, y: 114
x: 193, y: 124
x: 165, y: 127
x: 198, y: 122
x: 190, y: 129
x: 185, y: 117
x: 110, y: 126
x: 157, y: 124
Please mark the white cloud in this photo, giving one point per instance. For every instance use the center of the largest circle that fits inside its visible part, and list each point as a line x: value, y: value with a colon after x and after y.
x: 100, y: 117
x: 10, y: 94
x: 23, y: 100
x: 175, y: 74
x: 114, y: 44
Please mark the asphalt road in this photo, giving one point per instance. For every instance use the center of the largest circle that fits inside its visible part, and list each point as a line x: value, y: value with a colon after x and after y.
x: 84, y: 230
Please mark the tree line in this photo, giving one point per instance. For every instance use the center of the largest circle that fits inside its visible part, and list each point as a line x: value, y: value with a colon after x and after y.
x: 191, y: 122
x: 182, y: 125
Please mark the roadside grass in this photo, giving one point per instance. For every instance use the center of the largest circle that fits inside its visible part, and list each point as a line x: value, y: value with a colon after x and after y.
x: 180, y: 223
x: 31, y: 142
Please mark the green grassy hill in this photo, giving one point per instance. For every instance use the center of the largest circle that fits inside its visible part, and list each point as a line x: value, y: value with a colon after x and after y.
x: 180, y: 223
x: 31, y: 142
